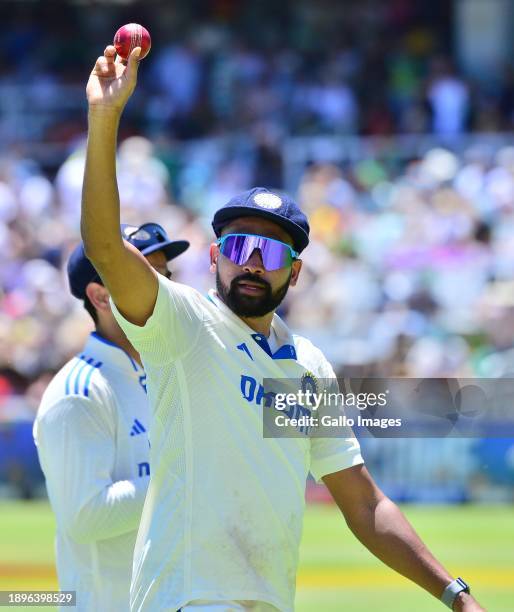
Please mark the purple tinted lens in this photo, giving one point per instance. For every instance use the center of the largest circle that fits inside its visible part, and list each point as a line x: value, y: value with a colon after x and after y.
x: 239, y: 249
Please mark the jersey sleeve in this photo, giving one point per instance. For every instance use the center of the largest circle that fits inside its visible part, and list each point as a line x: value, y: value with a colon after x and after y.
x: 173, y: 327
x: 76, y: 446
x: 329, y: 455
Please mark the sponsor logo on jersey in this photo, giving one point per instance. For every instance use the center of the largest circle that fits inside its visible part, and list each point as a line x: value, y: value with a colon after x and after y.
x: 143, y: 469
x: 254, y: 392
x: 142, y: 382
x: 137, y: 428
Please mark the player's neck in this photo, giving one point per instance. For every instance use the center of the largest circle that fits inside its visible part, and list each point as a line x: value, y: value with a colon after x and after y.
x: 261, y: 325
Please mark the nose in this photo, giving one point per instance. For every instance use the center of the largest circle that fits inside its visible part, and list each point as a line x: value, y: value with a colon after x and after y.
x: 254, y: 264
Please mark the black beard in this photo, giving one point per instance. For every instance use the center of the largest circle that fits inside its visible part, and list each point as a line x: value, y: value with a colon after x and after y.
x: 248, y: 305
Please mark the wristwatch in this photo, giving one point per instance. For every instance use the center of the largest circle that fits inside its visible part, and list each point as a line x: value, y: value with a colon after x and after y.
x: 452, y: 590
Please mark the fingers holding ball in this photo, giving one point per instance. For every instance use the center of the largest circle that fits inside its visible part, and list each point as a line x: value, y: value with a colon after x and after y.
x: 130, y: 36
x: 110, y: 52
x: 103, y: 66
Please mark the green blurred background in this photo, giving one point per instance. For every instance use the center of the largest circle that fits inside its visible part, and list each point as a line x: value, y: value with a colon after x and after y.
x: 336, y: 571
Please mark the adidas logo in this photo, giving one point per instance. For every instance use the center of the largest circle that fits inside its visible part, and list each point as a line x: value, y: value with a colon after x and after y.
x: 244, y: 348
x: 137, y: 428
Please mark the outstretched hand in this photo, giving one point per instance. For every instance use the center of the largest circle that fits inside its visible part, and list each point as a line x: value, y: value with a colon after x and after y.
x: 466, y: 603
x: 112, y: 81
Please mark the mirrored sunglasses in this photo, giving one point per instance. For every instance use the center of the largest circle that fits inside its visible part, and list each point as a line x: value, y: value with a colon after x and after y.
x: 239, y: 248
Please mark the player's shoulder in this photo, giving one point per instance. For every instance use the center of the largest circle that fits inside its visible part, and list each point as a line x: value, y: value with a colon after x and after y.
x: 182, y: 295
x: 311, y: 356
x: 76, y: 397
x: 176, y: 288
x: 307, y: 347
x: 80, y: 381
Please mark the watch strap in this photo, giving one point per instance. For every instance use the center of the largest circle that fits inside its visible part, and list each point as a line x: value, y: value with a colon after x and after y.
x: 452, y: 590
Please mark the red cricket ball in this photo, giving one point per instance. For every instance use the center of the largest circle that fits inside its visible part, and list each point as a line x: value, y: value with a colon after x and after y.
x: 130, y: 36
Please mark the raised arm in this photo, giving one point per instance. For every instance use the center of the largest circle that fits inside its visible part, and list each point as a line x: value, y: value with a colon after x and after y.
x: 131, y: 280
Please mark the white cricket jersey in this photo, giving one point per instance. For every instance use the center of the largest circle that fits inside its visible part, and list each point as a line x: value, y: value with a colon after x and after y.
x: 224, y: 511
x: 91, y: 434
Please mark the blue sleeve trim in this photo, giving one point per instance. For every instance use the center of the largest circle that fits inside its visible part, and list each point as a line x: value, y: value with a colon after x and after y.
x: 73, y: 378
x: 79, y: 372
x: 68, y: 378
x: 88, y: 377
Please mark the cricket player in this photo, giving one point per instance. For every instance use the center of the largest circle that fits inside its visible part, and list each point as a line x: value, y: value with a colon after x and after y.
x: 222, y: 524
x: 91, y: 433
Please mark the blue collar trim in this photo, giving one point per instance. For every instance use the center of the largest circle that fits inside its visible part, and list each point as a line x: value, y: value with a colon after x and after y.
x: 286, y: 351
x: 96, y: 335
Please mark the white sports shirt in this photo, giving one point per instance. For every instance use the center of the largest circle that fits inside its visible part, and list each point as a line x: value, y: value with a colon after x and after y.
x: 224, y: 511
x: 91, y: 434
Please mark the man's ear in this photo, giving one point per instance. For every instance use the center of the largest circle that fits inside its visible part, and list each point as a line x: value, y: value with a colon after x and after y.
x: 295, y: 272
x: 214, y: 254
x: 98, y: 296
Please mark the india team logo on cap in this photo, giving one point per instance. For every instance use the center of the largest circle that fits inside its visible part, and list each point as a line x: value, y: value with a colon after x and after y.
x: 267, y: 200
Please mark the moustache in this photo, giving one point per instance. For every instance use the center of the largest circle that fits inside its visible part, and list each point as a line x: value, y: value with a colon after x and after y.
x: 252, y: 278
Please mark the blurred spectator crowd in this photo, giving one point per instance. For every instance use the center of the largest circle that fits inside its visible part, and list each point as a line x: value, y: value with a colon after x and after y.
x: 410, y: 269
x: 411, y: 260
x: 265, y: 69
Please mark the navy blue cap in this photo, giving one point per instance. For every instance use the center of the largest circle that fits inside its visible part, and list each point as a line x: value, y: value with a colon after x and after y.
x: 147, y: 238
x: 261, y: 202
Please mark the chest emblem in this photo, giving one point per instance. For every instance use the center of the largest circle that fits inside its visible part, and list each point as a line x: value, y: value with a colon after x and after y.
x: 309, y: 383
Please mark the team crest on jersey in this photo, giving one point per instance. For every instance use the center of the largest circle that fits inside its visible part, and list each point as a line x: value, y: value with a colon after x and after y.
x: 309, y: 383
x: 267, y: 200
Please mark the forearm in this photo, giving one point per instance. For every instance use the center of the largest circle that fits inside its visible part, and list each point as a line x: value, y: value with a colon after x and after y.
x: 385, y: 531
x: 380, y: 525
x: 112, y: 512
x: 100, y: 219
